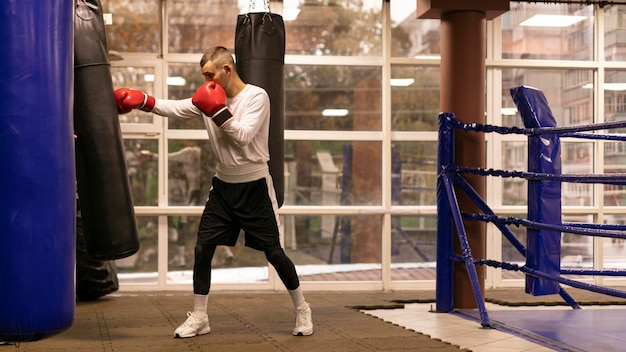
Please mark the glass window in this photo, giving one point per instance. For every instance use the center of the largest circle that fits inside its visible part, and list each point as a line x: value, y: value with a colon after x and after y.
x: 238, y: 264
x: 615, y: 33
x: 143, y: 173
x: 333, y: 173
x: 194, y: 26
x: 141, y: 78
x: 411, y: 37
x: 577, y: 250
x: 568, y: 93
x: 342, y: 28
x: 514, y: 158
x: 414, y: 173
x: 614, y: 249
x: 547, y: 31
x: 349, y: 28
x: 414, y: 98
x: 577, y: 158
x: 191, y: 167
x: 132, y: 26
x: 141, y: 267
x: 182, y: 82
x: 413, y: 247
x: 615, y: 97
x: 614, y: 151
x: 340, y: 98
x: 335, y: 248
x: 510, y: 254
x: 614, y: 162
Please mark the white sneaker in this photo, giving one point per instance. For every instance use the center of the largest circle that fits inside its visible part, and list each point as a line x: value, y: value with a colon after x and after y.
x: 196, y: 324
x: 304, y: 322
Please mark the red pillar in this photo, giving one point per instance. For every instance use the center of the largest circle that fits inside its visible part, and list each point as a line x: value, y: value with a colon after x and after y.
x: 462, y: 82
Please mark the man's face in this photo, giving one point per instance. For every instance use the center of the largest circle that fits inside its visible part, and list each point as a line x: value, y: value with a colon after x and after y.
x: 217, y: 75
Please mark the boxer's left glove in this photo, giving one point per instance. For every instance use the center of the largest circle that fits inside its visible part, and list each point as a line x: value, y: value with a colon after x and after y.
x: 210, y: 98
x: 128, y: 99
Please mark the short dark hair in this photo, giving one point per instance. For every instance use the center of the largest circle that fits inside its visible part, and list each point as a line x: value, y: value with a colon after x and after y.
x: 218, y: 55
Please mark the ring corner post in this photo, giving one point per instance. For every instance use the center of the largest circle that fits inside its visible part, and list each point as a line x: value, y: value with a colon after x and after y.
x: 445, y: 273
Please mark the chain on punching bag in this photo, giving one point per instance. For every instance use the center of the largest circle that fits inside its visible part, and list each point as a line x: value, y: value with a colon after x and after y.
x: 103, y: 185
x: 260, y: 53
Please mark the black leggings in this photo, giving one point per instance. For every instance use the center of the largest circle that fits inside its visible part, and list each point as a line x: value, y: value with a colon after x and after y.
x: 202, y: 268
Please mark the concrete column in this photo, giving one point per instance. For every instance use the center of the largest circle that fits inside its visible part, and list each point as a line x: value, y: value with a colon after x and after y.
x: 462, y: 75
x: 463, y: 93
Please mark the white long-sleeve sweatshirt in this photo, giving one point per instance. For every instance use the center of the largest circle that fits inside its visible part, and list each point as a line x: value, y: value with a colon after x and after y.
x: 241, y: 143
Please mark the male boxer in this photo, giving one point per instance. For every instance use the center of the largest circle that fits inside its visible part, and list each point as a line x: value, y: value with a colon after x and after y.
x: 237, y: 117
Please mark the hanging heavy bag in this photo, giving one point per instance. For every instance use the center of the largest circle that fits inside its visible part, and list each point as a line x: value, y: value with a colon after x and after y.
x: 94, y: 278
x: 260, y: 53
x: 103, y: 185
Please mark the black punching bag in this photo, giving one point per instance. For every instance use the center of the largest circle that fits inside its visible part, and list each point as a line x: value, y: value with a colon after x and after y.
x: 103, y: 186
x: 260, y: 52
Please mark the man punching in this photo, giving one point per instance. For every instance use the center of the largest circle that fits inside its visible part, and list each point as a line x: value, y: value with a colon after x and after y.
x: 237, y: 118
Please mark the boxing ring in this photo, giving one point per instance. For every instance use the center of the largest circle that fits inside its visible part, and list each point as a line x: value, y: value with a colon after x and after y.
x: 543, y: 224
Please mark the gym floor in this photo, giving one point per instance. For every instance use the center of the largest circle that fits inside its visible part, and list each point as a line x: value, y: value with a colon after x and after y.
x: 344, y: 321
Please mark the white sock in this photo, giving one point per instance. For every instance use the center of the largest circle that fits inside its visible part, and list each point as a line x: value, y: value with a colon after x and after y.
x: 200, y: 303
x: 298, y: 298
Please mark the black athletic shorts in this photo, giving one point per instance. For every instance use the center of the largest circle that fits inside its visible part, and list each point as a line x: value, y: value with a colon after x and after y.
x: 248, y: 206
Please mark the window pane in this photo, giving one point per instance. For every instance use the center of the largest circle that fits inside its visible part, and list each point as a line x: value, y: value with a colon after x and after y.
x: 615, y: 97
x: 577, y: 250
x: 614, y: 248
x: 333, y: 173
x: 238, y: 264
x: 351, y: 28
x: 141, y: 78
x: 336, y: 98
x: 182, y: 82
x: 514, y: 158
x: 345, y: 28
x: 577, y: 158
x: 414, y: 98
x: 191, y: 167
x: 547, y: 31
x: 134, y: 25
x: 567, y: 91
x: 350, y: 252
x: 614, y: 110
x: 614, y: 154
x: 142, y: 170
x: 510, y: 254
x: 194, y: 26
x: 615, y: 33
x: 411, y: 37
x: 414, y: 172
x: 141, y: 267
x: 181, y: 239
x: 413, y: 247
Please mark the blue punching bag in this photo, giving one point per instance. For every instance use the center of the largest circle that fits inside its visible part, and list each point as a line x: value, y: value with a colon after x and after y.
x: 37, y: 177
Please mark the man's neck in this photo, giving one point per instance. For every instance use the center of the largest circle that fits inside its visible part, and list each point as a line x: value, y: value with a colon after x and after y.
x: 235, y: 88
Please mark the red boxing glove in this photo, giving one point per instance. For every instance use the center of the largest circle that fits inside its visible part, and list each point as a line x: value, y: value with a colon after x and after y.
x: 128, y: 99
x: 210, y: 98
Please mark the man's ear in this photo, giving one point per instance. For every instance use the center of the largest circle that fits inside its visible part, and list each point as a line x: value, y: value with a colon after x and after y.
x: 227, y: 68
